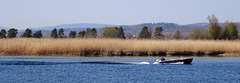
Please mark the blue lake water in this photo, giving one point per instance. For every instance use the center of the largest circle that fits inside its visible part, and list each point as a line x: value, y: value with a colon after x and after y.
x: 72, y: 70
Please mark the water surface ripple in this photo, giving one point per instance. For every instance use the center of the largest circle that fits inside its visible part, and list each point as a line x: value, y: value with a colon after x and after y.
x: 78, y: 70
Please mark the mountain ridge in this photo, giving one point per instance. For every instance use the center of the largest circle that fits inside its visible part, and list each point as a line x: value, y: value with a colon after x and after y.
x: 3, y: 27
x: 76, y: 25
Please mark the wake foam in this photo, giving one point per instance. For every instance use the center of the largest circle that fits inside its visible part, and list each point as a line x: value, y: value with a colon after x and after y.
x: 26, y: 63
x: 174, y: 63
x: 57, y: 63
x: 107, y: 62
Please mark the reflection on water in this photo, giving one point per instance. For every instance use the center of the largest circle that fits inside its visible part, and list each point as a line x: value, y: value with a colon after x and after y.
x: 65, y: 69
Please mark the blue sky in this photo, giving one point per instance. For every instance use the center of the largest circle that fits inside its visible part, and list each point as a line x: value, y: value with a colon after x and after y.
x: 39, y: 13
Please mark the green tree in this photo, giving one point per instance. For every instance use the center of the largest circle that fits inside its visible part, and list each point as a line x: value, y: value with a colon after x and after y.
x: 233, y: 31
x: 94, y: 32
x: 230, y: 31
x: 81, y: 34
x: 121, y: 32
x: 54, y: 33
x: 88, y: 33
x: 111, y: 32
x: 91, y: 33
x: 225, y: 34
x: 144, y: 34
x: 12, y: 33
x: 177, y: 35
x: 214, y: 28
x: 27, y: 33
x: 38, y: 34
x: 3, y: 33
x: 72, y: 34
x: 61, y: 33
x: 158, y: 33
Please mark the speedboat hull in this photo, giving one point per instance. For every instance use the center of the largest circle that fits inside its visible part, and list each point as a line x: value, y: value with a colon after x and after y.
x: 175, y: 61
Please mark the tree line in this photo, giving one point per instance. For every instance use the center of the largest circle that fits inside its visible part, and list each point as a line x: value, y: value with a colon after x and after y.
x: 215, y: 32
x: 12, y: 33
x: 89, y: 33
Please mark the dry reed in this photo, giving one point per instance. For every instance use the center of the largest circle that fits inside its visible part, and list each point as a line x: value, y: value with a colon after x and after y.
x: 83, y: 46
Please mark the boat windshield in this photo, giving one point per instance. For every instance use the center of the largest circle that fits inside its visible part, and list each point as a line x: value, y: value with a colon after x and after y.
x: 162, y: 59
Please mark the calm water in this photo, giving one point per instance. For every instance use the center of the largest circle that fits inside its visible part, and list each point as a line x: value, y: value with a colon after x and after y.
x: 60, y: 69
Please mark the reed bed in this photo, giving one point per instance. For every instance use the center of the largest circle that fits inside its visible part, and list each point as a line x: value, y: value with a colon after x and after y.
x: 95, y: 46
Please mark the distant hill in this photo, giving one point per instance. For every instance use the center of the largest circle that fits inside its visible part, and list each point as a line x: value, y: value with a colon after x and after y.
x: 46, y: 31
x: 3, y: 28
x: 170, y: 27
x: 79, y: 25
x: 167, y: 27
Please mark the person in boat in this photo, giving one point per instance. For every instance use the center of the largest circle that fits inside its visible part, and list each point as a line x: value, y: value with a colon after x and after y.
x: 162, y: 59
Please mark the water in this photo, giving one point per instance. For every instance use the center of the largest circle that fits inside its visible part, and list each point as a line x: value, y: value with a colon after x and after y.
x: 71, y: 70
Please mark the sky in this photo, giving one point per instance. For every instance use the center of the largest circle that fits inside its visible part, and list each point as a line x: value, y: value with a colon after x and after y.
x: 22, y: 14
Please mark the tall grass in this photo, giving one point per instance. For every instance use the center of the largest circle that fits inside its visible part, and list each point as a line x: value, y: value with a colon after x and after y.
x: 83, y: 46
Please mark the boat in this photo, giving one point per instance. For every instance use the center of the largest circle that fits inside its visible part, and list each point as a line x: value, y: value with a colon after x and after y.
x: 174, y: 61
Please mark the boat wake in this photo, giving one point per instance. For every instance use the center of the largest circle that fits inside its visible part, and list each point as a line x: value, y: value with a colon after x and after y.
x: 34, y: 63
x: 107, y: 62
x: 57, y: 63
x: 88, y: 62
x: 174, y: 63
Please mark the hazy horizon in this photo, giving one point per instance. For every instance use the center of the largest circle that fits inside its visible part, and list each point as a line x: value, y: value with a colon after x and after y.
x: 22, y: 14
